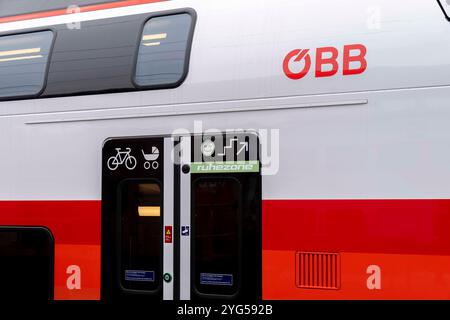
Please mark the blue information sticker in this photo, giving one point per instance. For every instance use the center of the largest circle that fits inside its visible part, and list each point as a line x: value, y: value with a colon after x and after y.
x: 216, y: 279
x: 185, y: 230
x: 139, y: 275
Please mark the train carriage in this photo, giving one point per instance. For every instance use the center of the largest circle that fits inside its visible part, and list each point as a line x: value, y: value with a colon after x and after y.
x: 200, y: 150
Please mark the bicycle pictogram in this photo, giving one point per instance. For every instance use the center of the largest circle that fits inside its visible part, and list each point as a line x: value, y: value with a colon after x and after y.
x: 122, y: 157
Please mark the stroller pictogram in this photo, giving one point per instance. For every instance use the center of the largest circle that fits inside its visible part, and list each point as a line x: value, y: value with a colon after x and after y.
x: 150, y: 159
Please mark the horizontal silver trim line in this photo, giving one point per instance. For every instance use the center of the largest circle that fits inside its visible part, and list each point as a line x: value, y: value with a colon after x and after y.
x: 177, y: 110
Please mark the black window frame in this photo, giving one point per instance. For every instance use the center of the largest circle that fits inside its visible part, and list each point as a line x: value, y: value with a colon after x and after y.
x: 51, y: 238
x: 47, y: 67
x: 187, y: 56
x: 441, y: 4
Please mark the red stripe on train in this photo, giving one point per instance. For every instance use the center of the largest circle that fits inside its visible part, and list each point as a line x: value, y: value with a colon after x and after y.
x: 408, y: 239
x: 76, y: 227
x: 399, y: 276
x: 88, y: 8
x: 407, y: 226
x: 71, y: 222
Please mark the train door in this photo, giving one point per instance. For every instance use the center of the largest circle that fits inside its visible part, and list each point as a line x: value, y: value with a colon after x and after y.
x: 181, y: 218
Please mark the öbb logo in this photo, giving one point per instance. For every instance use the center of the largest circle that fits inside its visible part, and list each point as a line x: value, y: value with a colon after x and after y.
x: 327, y: 56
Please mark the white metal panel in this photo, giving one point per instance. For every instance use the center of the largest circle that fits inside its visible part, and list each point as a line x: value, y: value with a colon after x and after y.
x: 168, y: 258
x: 395, y: 146
x: 185, y: 220
x: 239, y: 47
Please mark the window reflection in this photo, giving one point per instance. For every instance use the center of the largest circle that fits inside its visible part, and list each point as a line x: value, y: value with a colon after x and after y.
x: 23, y: 63
x: 162, y: 53
x: 141, y: 236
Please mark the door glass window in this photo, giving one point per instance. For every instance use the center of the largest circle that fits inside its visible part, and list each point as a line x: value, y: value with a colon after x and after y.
x: 217, y: 235
x: 141, y: 236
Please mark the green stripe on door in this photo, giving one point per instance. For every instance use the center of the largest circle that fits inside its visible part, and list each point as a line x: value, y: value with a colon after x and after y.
x: 225, y: 167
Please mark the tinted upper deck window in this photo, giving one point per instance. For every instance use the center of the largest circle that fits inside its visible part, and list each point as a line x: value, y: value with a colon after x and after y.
x: 162, y: 58
x: 23, y: 63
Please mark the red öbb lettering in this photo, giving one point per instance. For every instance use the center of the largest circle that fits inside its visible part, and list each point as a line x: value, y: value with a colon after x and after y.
x: 326, y: 61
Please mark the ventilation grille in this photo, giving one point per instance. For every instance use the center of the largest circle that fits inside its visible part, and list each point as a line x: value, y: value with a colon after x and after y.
x: 316, y: 270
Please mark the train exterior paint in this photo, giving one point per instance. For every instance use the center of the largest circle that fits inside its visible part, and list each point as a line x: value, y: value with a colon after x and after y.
x: 359, y: 207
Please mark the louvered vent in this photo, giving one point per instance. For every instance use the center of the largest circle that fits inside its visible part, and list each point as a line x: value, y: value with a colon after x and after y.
x: 316, y: 270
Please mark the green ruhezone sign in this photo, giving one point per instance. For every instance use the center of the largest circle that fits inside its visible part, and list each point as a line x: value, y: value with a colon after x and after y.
x: 225, y: 167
